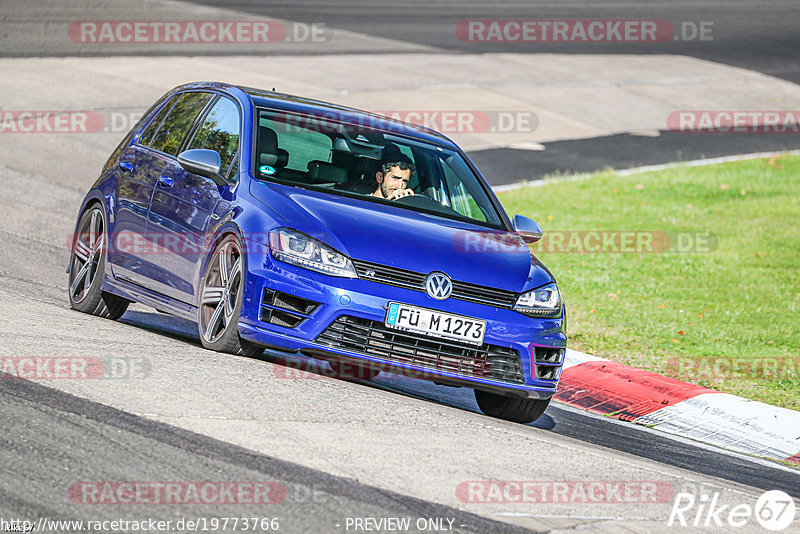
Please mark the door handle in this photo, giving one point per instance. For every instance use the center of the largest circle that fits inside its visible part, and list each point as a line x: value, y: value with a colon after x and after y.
x: 126, y: 166
x: 165, y: 181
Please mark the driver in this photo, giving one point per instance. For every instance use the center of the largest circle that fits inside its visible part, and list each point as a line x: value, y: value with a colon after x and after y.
x: 393, y: 178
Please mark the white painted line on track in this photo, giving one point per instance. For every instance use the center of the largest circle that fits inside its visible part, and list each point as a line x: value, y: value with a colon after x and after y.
x: 573, y: 357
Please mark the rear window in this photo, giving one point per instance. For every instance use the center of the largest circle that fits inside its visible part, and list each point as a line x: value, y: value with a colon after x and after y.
x: 303, y: 145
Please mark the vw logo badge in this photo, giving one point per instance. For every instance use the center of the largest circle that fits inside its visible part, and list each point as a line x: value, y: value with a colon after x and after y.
x: 438, y: 285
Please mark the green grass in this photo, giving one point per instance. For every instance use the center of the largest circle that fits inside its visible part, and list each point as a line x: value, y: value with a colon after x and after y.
x: 686, y: 315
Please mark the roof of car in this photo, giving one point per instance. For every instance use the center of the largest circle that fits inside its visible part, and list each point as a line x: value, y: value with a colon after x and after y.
x: 330, y: 111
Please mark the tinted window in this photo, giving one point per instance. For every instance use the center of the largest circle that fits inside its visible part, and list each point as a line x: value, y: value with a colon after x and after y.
x: 233, y: 173
x: 156, y: 122
x: 220, y: 132
x: 460, y: 198
x: 302, y: 144
x: 178, y: 121
x: 443, y: 182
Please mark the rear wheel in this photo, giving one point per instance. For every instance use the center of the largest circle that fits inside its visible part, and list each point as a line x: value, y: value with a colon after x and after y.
x: 221, y: 301
x: 87, y: 268
x: 515, y: 409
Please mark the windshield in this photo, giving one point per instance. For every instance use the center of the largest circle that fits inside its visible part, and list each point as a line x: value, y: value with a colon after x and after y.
x: 378, y: 166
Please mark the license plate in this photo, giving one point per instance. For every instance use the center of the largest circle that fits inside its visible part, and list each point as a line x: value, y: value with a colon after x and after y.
x: 435, y: 323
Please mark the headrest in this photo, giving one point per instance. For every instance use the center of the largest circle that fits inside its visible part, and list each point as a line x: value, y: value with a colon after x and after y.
x: 268, y: 151
x: 276, y: 160
x: 321, y: 172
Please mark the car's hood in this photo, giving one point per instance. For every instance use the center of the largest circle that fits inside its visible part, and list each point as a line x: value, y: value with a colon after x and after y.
x: 406, y: 239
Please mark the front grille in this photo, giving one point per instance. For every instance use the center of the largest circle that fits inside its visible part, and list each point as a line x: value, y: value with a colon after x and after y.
x: 394, y: 276
x: 283, y: 309
x: 373, y: 338
x: 548, y: 362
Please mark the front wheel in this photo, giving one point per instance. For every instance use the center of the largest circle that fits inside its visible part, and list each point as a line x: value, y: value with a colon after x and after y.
x: 515, y: 409
x: 87, y: 268
x: 221, y: 301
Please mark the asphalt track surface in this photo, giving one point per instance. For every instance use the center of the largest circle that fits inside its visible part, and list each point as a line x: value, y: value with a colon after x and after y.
x: 757, y: 35
x: 51, y: 438
x: 558, y: 419
x: 621, y: 151
x: 49, y: 435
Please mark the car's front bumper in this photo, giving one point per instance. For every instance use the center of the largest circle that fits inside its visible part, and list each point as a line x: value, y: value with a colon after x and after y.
x: 365, y: 302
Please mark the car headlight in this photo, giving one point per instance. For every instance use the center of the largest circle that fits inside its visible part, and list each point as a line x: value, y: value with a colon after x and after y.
x: 543, y: 301
x: 299, y: 249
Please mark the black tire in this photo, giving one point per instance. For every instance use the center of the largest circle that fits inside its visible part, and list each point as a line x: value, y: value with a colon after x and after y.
x: 347, y: 370
x: 88, y: 268
x: 515, y: 409
x: 221, y: 301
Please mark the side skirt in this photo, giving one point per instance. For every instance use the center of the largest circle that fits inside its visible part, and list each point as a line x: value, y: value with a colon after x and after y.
x: 137, y: 293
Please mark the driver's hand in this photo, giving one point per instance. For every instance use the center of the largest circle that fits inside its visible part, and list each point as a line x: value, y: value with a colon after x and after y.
x: 400, y: 193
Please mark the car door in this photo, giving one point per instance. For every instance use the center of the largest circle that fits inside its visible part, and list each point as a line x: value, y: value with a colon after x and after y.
x: 185, y: 205
x: 159, y: 151
x: 136, y: 176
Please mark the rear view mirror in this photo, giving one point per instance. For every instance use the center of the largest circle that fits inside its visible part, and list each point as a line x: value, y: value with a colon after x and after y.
x: 528, y: 229
x: 202, y: 162
x: 361, y: 143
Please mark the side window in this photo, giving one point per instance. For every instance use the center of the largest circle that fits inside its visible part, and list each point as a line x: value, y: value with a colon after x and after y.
x: 461, y: 199
x: 176, y: 124
x: 148, y: 132
x: 233, y: 173
x: 220, y: 132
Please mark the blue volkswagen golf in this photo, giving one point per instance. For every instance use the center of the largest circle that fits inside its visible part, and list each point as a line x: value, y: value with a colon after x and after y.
x: 280, y: 222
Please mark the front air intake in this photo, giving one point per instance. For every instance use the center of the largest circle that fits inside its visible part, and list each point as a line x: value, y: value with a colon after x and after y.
x: 283, y: 309
x: 548, y: 362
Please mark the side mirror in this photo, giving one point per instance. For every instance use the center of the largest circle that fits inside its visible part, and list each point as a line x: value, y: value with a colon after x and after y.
x: 528, y: 229
x: 202, y: 162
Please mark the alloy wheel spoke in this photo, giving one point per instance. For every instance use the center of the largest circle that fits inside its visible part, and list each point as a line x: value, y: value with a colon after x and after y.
x: 228, y: 308
x: 93, y: 229
x: 76, y: 282
x: 216, y: 317
x: 233, y: 280
x: 235, y: 271
x: 224, y: 267
x: 87, y: 280
x: 82, y: 250
x: 212, y: 295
